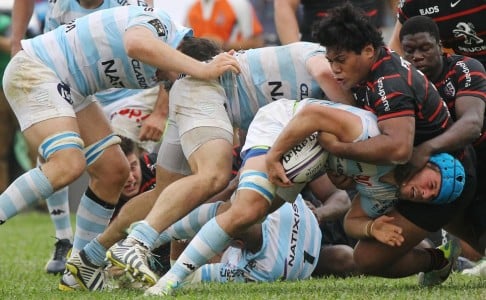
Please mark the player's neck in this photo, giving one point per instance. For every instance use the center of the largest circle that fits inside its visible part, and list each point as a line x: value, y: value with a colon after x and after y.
x: 90, y: 4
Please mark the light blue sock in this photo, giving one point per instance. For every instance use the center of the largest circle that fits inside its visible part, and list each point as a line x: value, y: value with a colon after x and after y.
x: 145, y: 234
x: 95, y: 252
x: 208, y: 242
x: 189, y: 226
x: 91, y: 220
x: 26, y: 190
x: 58, y: 206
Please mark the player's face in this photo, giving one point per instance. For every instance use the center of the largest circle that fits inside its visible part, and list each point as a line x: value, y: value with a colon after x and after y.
x: 423, y: 186
x: 424, y: 52
x: 132, y: 186
x: 350, y: 68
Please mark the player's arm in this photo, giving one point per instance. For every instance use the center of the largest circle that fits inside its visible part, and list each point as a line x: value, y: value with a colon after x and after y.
x: 359, y: 225
x: 393, y: 146
x: 337, y: 123
x: 394, y: 42
x: 153, y: 126
x: 22, y: 12
x: 141, y: 44
x: 286, y: 23
x: 335, y: 202
x: 465, y: 130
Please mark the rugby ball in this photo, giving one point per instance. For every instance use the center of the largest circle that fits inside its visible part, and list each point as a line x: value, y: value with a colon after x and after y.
x: 305, y: 161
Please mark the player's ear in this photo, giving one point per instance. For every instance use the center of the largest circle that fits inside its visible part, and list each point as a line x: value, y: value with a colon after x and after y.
x: 368, y: 51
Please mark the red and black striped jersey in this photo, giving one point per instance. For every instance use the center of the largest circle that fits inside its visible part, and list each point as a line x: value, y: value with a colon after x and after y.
x: 461, y: 76
x: 395, y: 88
x: 462, y: 23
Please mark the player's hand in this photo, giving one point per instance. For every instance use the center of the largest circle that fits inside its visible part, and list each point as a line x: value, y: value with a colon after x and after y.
x: 152, y: 128
x: 420, y: 156
x: 275, y: 170
x: 386, y: 232
x: 221, y: 63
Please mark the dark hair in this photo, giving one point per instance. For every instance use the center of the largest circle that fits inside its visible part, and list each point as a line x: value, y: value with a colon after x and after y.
x: 199, y: 48
x: 128, y: 146
x: 420, y: 24
x: 347, y: 28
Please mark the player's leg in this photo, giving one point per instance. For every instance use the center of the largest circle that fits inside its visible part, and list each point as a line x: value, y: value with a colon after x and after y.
x: 252, y: 203
x: 108, y: 169
x: 200, y: 119
x: 48, y: 123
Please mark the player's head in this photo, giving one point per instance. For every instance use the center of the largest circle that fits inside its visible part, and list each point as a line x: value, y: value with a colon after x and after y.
x: 351, y: 42
x: 199, y: 48
x: 134, y: 181
x: 347, y: 28
x: 420, y: 42
x: 440, y: 182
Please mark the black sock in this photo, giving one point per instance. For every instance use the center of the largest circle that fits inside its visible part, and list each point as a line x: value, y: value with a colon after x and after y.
x: 437, y: 259
x: 91, y: 195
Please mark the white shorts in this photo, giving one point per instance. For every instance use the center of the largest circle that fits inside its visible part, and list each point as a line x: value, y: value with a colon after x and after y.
x: 269, y: 121
x: 199, y: 104
x: 36, y: 94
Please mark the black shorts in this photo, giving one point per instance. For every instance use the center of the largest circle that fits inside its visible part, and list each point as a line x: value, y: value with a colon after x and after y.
x: 433, y: 217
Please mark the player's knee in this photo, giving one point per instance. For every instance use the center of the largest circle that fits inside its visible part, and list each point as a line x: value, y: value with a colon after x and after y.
x: 242, y: 218
x: 64, y: 152
x: 215, y: 181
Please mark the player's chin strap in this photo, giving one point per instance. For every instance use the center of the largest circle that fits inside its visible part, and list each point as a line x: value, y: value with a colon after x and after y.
x: 257, y: 181
x: 94, y: 151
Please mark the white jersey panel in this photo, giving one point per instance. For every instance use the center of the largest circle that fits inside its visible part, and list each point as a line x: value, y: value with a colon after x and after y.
x: 88, y: 54
x: 271, y: 119
x: 268, y: 74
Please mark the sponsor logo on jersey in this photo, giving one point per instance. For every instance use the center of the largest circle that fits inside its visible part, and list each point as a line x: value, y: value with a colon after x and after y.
x: 137, y: 69
x: 449, y: 89
x: 466, y: 72
x: 111, y: 72
x: 429, y: 10
x: 65, y: 91
x: 304, y: 91
x: 454, y: 3
x: 231, y: 272
x: 159, y: 27
x: 382, y: 94
x: 294, y: 235
x: 467, y: 32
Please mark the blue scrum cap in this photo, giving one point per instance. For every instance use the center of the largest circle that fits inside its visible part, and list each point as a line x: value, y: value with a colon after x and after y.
x: 453, y: 178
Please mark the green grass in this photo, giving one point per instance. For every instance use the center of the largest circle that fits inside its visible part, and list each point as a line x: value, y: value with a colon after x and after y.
x: 26, y: 243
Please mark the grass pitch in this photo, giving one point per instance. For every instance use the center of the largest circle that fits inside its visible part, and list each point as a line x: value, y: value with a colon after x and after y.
x: 27, y: 240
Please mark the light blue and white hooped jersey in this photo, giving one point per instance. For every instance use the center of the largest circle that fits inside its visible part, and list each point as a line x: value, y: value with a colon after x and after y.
x: 290, y: 250
x: 88, y: 54
x: 377, y: 197
x: 268, y: 74
x: 61, y: 12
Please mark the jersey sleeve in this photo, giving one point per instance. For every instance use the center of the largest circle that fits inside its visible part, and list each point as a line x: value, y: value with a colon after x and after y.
x: 471, y: 78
